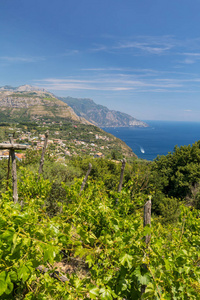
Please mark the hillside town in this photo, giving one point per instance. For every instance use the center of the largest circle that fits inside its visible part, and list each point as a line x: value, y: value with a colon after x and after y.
x: 61, y: 147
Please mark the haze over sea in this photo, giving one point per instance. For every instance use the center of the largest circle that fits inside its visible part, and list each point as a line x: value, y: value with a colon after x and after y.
x: 159, y: 138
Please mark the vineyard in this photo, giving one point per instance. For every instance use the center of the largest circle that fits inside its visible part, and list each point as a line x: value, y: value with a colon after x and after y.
x: 60, y: 243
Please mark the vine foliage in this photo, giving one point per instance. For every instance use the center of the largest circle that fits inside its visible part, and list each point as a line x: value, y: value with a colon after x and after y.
x: 106, y: 237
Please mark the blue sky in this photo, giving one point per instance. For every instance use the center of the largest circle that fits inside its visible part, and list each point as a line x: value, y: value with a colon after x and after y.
x: 139, y: 57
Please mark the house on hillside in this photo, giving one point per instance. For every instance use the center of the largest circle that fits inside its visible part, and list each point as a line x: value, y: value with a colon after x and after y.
x: 20, y: 156
x: 4, y: 154
x: 98, y: 155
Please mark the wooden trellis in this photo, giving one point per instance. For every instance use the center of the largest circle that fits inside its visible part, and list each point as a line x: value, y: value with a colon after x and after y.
x: 12, y: 147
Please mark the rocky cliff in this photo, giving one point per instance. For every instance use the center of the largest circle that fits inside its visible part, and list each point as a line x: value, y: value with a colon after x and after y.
x: 100, y: 115
x: 30, y: 103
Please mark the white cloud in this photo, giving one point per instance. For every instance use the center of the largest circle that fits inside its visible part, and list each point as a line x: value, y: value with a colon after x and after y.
x: 191, y: 54
x: 77, y: 84
x: 176, y: 80
x: 109, y: 82
x: 154, y: 45
x: 18, y: 59
x: 99, y: 48
x: 146, y: 47
x: 188, y: 61
x: 190, y: 57
x: 120, y: 79
x: 138, y: 72
x: 105, y: 69
x: 70, y: 52
x: 144, y: 44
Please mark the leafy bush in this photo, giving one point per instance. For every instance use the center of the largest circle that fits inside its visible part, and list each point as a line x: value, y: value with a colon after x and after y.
x: 175, y: 173
x: 165, y: 207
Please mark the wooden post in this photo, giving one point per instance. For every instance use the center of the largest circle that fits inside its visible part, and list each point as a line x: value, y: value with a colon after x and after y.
x: 12, y: 147
x: 121, y: 179
x: 14, y: 171
x: 43, y: 153
x: 14, y: 175
x: 121, y: 175
x: 54, y: 274
x: 86, y: 177
x: 8, y: 174
x: 147, y: 221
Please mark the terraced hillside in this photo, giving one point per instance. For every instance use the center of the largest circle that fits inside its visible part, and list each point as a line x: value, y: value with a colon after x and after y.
x: 32, y: 105
x: 30, y: 111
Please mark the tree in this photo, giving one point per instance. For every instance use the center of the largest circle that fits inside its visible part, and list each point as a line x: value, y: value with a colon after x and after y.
x: 175, y: 173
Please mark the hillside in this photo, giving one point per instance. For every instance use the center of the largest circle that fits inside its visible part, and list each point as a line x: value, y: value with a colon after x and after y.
x: 64, y: 242
x: 32, y: 111
x: 100, y: 115
x: 29, y: 103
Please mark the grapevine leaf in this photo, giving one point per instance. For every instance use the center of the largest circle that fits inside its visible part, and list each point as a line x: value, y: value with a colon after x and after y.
x: 106, y: 294
x: 94, y: 292
x: 147, y: 230
x: 23, y: 273
x: 126, y: 259
x: 14, y: 243
x: 9, y: 285
x: 3, y: 284
x: 142, y: 276
x: 90, y: 260
x: 13, y: 276
x: 49, y: 254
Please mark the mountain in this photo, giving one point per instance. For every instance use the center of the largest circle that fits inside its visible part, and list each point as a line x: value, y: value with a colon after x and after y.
x: 100, y: 115
x: 22, y: 88
x: 34, y: 110
x: 29, y: 103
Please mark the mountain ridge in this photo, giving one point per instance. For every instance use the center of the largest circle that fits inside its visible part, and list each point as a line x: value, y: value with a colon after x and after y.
x: 23, y: 88
x: 85, y: 109
x: 100, y: 115
x: 40, y: 110
x: 32, y: 103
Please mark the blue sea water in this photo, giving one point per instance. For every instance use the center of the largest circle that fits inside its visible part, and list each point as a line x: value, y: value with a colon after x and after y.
x: 157, y: 139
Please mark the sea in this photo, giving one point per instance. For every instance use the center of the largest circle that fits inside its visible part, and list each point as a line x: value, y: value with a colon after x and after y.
x: 159, y: 138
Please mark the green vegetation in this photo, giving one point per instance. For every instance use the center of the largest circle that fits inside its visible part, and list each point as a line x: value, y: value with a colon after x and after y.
x: 179, y: 173
x: 96, y: 239
x: 67, y: 136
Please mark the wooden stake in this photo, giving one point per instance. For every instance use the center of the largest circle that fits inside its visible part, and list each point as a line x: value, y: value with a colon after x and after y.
x: 121, y: 179
x: 86, y: 177
x: 14, y: 175
x: 121, y: 175
x: 54, y: 274
x: 43, y: 153
x: 14, y: 171
x: 8, y: 172
x: 147, y: 221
